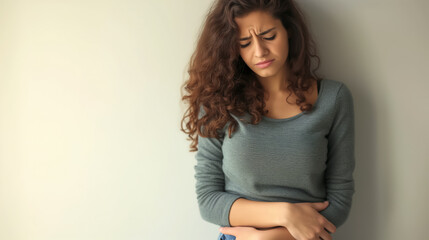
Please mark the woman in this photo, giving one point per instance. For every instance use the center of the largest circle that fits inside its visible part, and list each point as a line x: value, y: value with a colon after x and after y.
x: 275, y: 142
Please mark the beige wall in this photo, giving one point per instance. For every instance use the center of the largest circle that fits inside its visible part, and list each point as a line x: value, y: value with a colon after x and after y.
x: 90, y: 146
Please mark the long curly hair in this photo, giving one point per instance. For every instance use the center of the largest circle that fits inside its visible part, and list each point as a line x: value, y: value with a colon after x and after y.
x: 220, y: 83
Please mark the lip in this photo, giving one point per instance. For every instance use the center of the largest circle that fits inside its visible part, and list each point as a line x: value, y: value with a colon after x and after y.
x: 265, y: 64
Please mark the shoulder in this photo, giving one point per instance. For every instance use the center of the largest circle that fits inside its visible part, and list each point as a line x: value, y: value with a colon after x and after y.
x: 341, y: 101
x: 337, y: 98
x: 333, y: 85
x: 337, y: 90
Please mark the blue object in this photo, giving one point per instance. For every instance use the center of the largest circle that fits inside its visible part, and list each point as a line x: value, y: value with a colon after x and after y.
x: 225, y: 237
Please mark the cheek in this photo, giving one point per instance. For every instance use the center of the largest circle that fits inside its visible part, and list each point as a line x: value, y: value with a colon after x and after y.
x: 245, y: 56
x: 281, y: 47
x: 285, y: 47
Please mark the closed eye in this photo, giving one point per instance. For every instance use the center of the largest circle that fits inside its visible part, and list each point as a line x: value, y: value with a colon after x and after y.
x: 270, y: 38
x: 245, y: 45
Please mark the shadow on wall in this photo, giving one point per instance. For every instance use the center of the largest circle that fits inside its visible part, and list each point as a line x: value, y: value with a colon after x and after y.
x: 339, y: 51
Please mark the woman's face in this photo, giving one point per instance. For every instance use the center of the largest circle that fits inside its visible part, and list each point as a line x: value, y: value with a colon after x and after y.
x: 263, y: 38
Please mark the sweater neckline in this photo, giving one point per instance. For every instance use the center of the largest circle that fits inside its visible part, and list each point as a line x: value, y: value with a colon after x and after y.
x: 319, y: 95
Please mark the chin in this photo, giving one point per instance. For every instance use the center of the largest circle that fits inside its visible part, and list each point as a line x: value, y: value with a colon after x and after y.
x: 265, y: 74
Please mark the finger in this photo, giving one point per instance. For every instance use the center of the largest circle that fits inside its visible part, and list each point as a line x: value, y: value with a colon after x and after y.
x: 330, y: 227
x: 325, y: 235
x: 320, y: 205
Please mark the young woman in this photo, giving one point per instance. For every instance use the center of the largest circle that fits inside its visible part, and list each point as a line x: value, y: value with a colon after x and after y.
x: 274, y: 142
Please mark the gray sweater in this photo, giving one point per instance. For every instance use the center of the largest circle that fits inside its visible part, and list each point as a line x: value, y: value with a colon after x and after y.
x: 305, y: 158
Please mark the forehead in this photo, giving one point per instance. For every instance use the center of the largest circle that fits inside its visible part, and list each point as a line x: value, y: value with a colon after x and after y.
x: 257, y: 21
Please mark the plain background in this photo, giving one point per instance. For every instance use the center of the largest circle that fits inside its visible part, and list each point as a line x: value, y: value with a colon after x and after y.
x: 90, y: 110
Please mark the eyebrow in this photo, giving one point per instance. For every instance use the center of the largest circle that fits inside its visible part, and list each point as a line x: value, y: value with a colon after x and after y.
x: 262, y: 33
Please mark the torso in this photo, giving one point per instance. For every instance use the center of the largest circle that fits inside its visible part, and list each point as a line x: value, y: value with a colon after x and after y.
x: 280, y: 108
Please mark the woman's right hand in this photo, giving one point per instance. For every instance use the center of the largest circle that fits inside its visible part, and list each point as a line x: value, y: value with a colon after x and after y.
x: 304, y: 222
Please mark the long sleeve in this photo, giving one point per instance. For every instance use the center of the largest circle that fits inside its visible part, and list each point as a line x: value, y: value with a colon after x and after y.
x: 341, y: 160
x: 214, y: 203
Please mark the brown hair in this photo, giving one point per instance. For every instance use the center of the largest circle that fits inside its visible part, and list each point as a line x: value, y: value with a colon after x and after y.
x: 221, y: 83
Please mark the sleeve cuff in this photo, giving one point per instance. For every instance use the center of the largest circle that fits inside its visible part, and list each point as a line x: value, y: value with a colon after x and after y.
x: 225, y: 214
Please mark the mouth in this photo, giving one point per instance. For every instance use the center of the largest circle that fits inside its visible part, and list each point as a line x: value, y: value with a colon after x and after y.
x: 265, y: 64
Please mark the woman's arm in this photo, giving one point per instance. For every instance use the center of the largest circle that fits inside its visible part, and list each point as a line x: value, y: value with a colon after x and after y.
x: 341, y: 159
x: 257, y: 214
x: 278, y: 233
x: 251, y: 233
x: 307, y: 221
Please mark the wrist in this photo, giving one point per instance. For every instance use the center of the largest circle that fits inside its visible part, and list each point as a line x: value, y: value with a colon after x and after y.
x: 260, y: 235
x: 276, y: 233
x: 284, y: 214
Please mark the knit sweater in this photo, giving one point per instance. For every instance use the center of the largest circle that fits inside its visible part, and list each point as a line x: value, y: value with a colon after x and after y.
x: 308, y: 157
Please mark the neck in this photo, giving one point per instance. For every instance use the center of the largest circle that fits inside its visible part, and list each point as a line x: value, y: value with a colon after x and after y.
x: 276, y: 84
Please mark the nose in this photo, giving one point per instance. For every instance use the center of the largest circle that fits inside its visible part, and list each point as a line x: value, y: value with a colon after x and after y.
x: 260, y: 49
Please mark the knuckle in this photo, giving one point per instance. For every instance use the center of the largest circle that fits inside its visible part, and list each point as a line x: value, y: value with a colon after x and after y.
x: 310, y: 236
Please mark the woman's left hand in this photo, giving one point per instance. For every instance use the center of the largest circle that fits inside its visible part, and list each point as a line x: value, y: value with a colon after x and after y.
x: 242, y: 233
